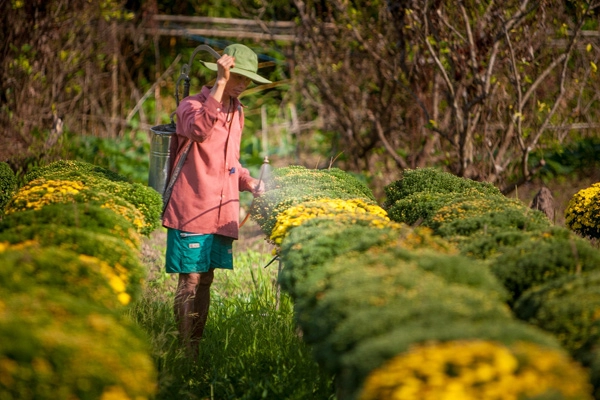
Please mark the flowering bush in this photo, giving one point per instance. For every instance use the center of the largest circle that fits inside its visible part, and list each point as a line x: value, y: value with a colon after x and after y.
x: 354, y: 307
x: 541, y: 258
x: 81, y: 241
x: 474, y: 370
x: 80, y: 167
x: 361, y: 309
x: 458, y: 216
x: 90, y: 217
x: 469, y: 214
x: 351, y: 208
x: 488, y: 241
x: 583, y: 212
x: 431, y: 180
x: 56, y: 346
x: 27, y: 265
x: 411, y: 278
x: 41, y: 192
x: 294, y: 185
x: 8, y: 184
x: 569, y: 308
x: 147, y: 200
x: 315, y: 244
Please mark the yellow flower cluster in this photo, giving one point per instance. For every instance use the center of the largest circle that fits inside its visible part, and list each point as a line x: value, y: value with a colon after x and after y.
x: 18, y: 246
x: 41, y: 192
x: 476, y: 370
x: 131, y: 214
x: 583, y: 211
x: 116, y: 276
x: 353, y: 208
x: 467, y: 208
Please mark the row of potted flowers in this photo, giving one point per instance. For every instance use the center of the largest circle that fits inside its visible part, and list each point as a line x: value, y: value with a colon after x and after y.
x: 69, y: 266
x: 395, y: 307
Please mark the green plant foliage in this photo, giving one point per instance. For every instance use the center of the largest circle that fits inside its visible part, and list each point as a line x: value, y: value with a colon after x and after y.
x: 462, y: 215
x: 544, y: 257
x: 92, y: 218
x: 386, y: 273
x: 470, y: 217
x: 491, y: 243
x: 147, y: 200
x: 340, y: 319
x: 127, y: 155
x: 8, y: 184
x: 295, y: 184
x: 583, y: 212
x: 80, y: 167
x: 105, y: 247
x: 418, y: 208
x: 317, y: 242
x: 569, y: 308
x: 579, y: 156
x: 433, y: 180
x: 594, y: 371
x: 55, y: 346
x: 25, y: 266
x: 42, y: 192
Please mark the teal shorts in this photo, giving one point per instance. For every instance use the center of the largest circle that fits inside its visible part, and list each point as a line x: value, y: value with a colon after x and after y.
x: 192, y: 252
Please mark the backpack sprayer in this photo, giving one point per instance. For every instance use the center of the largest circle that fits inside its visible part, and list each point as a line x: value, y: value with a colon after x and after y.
x: 159, y: 177
x: 161, y: 140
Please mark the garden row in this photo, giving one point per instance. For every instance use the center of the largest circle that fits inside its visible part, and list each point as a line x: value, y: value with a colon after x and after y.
x: 425, y: 297
x: 69, y: 266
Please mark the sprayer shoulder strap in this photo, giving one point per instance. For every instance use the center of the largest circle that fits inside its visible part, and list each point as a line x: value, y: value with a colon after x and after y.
x: 181, y: 156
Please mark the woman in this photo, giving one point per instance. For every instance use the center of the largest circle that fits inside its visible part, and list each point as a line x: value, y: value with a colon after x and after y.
x: 202, y: 214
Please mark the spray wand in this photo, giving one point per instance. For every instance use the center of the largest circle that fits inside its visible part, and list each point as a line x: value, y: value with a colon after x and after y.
x: 262, y: 177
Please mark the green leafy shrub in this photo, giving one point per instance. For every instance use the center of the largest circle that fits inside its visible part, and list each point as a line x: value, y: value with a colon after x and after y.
x: 594, y: 371
x: 80, y: 167
x: 462, y: 215
x: 352, y: 284
x: 318, y: 241
x: 569, y: 308
x: 55, y: 346
x: 107, y: 248
x: 293, y: 185
x: 92, y: 218
x: 544, y: 257
x: 28, y: 265
x: 418, y: 208
x: 459, y: 219
x: 8, y: 184
x: 431, y: 180
x: 490, y: 243
x: 147, y: 200
x: 583, y: 212
x: 478, y: 369
x: 41, y: 192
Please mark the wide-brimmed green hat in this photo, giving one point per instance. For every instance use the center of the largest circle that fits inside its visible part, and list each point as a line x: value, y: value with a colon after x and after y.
x: 246, y: 62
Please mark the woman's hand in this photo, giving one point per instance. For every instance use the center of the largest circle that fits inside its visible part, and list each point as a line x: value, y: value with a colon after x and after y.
x: 224, y: 65
x: 258, y: 188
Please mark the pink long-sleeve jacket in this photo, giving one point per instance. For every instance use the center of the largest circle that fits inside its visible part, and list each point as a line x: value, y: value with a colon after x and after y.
x: 205, y: 197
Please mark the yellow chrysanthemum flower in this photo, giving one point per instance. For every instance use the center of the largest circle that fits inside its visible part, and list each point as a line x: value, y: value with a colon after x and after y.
x: 338, y: 208
x: 478, y: 369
